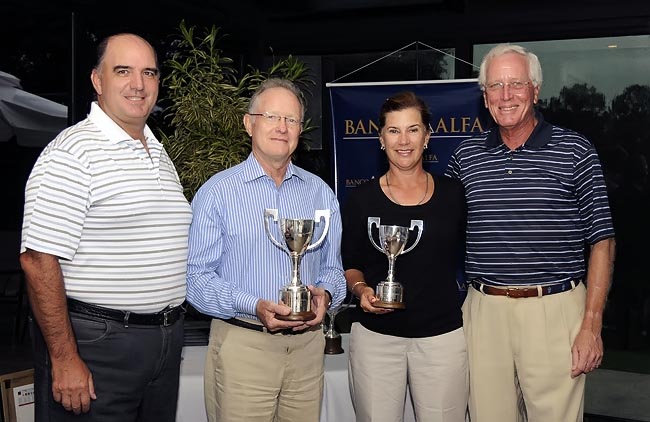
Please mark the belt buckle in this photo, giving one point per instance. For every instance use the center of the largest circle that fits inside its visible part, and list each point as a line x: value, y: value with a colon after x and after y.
x: 511, y: 289
x: 166, y: 314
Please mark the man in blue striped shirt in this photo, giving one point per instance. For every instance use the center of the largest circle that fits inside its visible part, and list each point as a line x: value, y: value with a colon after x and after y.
x: 535, y: 197
x: 260, y: 367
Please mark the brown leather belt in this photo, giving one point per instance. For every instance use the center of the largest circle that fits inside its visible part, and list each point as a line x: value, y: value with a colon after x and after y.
x: 262, y: 329
x: 525, y: 291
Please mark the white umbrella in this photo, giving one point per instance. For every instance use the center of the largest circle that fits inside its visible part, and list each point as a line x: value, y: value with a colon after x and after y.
x: 34, y: 120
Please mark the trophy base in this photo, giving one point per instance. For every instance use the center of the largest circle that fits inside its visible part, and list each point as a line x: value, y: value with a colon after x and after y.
x: 333, y: 345
x: 297, y: 316
x: 389, y: 305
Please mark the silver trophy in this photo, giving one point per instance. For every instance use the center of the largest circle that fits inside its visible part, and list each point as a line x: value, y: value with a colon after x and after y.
x: 297, y: 235
x: 332, y: 337
x: 392, y: 239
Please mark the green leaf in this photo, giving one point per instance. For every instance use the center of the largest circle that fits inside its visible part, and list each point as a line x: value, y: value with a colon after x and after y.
x: 206, y: 101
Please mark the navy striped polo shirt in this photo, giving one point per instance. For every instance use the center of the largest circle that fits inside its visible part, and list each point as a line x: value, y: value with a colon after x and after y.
x: 531, y: 210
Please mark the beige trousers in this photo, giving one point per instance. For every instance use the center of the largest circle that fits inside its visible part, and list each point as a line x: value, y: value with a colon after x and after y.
x: 252, y: 376
x: 435, y: 369
x: 526, y: 340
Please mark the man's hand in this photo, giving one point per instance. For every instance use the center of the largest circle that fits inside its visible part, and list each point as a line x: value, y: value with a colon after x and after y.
x: 320, y: 301
x: 72, y: 384
x: 586, y: 353
x: 266, y: 312
x: 587, y: 350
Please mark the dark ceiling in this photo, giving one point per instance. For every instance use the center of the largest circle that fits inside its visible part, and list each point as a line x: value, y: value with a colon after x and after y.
x: 337, y: 26
x: 341, y: 26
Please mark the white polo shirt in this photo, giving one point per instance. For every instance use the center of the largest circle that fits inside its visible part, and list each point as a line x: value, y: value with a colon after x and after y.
x: 114, y: 215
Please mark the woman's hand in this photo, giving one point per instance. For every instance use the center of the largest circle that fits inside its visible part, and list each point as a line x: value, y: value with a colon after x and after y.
x: 367, y: 299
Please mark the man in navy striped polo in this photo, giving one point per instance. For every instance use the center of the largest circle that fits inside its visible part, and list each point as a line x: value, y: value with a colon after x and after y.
x: 535, y: 198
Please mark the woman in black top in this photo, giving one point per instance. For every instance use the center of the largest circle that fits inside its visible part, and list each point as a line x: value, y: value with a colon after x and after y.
x: 422, y: 345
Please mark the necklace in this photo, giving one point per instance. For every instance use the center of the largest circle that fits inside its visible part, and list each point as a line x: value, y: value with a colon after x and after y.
x: 390, y: 193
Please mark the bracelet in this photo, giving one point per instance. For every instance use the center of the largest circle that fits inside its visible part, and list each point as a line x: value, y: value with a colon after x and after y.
x: 356, y: 284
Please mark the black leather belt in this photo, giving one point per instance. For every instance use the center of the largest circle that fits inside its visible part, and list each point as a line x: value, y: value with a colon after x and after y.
x: 262, y: 329
x: 525, y: 291
x: 163, y: 318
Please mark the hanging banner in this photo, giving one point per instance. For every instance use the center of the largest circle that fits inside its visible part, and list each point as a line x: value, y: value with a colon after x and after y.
x: 457, y: 112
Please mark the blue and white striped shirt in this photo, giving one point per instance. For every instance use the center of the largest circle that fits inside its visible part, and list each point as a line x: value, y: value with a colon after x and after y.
x: 232, y: 262
x: 531, y: 210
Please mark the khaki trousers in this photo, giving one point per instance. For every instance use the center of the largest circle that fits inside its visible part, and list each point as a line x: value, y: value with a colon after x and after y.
x: 527, y: 340
x: 252, y: 376
x: 435, y: 369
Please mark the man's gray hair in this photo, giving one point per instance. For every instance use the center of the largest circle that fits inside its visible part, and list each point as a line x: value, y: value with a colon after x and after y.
x: 278, y: 83
x: 534, y: 68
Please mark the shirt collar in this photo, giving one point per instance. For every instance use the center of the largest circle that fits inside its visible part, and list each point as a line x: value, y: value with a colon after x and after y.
x: 253, y: 170
x: 111, y: 129
x: 540, y: 136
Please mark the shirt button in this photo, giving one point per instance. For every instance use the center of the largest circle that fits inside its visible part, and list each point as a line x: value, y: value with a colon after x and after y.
x: 509, y: 171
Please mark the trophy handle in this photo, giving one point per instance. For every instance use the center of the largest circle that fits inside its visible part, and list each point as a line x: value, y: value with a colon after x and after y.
x: 374, y: 221
x: 420, y: 225
x: 273, y: 213
x: 325, y: 214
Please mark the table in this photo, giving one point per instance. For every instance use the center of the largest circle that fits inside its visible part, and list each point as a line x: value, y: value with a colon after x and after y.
x: 337, y: 403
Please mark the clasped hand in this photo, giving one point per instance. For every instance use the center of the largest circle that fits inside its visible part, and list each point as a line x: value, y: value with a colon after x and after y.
x: 267, y: 310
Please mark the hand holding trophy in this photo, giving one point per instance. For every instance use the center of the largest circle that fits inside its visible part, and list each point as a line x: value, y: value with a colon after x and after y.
x: 297, y: 235
x: 393, y: 240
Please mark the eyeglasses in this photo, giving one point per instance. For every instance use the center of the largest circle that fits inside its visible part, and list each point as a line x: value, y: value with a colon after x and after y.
x: 275, y: 119
x: 514, y: 85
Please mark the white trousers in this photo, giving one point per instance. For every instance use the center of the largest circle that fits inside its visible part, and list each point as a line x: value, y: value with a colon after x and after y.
x: 434, y: 368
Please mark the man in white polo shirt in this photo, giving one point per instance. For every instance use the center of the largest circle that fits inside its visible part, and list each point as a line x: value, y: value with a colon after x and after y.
x: 104, y: 248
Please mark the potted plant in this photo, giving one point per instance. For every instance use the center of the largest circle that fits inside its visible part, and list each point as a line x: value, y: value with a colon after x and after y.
x: 207, y: 100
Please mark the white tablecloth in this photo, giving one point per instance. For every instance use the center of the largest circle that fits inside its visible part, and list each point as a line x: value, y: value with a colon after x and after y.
x: 191, y: 407
x: 337, y: 404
